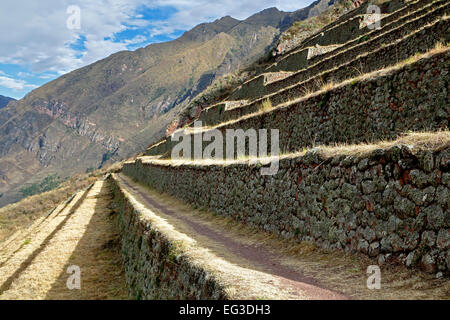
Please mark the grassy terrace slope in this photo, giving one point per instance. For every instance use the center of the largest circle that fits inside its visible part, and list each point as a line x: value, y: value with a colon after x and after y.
x: 363, y: 179
x: 416, y: 28
x: 353, y: 54
x: 353, y: 111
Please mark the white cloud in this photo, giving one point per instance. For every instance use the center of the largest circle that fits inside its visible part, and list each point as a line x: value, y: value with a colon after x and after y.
x: 24, y: 74
x: 289, y: 5
x: 191, y: 13
x: 15, y: 84
x: 35, y: 33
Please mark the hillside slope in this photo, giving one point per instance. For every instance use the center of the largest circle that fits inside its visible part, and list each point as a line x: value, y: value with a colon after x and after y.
x: 362, y: 182
x: 112, y: 108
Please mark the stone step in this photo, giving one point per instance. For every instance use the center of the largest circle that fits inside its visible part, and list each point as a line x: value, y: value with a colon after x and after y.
x: 389, y: 201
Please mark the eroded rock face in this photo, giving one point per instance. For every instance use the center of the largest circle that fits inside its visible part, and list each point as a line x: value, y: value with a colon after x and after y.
x: 369, y: 205
x: 60, y: 111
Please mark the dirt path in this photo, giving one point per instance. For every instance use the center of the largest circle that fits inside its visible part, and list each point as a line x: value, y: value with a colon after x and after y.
x: 254, y: 257
x: 81, y: 233
x: 312, y: 273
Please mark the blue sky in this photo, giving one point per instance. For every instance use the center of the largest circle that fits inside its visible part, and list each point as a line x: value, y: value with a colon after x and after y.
x: 46, y: 40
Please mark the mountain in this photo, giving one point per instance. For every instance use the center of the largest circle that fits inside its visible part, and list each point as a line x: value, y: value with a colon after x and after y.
x: 115, y: 107
x: 4, y: 101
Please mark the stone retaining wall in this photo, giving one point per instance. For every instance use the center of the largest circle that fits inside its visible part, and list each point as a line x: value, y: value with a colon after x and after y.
x: 439, y: 32
x: 392, y: 205
x: 344, y: 54
x: 397, y: 7
x: 413, y: 98
x: 155, y: 267
x: 352, y: 35
x: 413, y: 11
x: 418, y: 43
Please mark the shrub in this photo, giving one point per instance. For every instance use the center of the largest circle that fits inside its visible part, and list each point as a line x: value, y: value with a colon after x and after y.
x: 49, y: 183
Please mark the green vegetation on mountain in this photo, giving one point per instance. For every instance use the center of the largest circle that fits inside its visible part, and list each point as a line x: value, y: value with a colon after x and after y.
x: 49, y: 183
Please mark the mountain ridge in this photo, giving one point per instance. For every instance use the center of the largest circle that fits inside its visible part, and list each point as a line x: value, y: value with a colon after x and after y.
x: 5, y: 100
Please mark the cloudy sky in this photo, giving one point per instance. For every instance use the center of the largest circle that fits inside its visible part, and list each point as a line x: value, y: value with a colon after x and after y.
x: 40, y: 40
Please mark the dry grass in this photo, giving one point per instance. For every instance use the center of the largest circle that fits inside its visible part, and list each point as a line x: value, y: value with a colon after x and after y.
x: 416, y: 140
x: 378, y: 2
x: 156, y: 144
x: 16, y: 216
x: 445, y: 17
x: 305, y: 92
x: 337, y: 270
x: 266, y: 106
x: 325, y: 87
x: 84, y: 235
x: 307, y: 30
x: 353, y: 41
x: 328, y: 86
x: 440, y: 48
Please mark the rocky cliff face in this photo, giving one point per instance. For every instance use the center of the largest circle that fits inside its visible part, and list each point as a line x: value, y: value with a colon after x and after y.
x: 115, y: 107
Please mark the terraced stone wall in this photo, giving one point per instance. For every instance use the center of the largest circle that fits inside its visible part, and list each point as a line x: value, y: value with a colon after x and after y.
x: 348, y: 33
x: 380, y: 55
x: 155, y: 269
x: 413, y: 98
x: 383, y: 57
x: 340, y: 26
x: 392, y: 205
